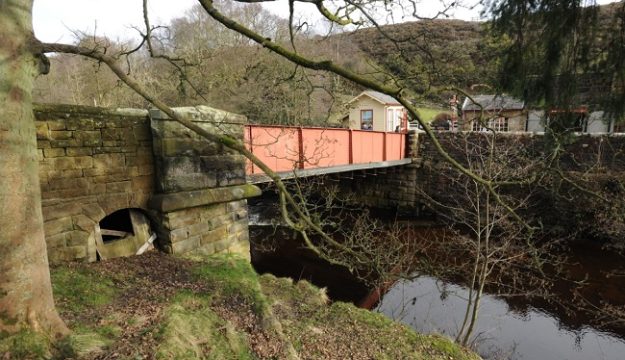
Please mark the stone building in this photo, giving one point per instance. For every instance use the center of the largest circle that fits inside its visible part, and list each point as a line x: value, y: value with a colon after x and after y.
x: 499, y: 112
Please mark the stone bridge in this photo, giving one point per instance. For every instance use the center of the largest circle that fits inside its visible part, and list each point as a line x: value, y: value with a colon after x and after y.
x: 106, y: 173
x: 96, y: 164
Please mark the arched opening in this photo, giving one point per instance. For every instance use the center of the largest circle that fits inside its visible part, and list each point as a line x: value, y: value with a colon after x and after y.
x: 116, y: 226
x: 125, y: 232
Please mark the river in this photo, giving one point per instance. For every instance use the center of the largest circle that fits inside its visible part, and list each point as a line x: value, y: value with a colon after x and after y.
x: 508, y: 328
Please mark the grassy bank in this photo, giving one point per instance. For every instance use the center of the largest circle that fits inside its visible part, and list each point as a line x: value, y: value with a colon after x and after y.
x: 163, y: 307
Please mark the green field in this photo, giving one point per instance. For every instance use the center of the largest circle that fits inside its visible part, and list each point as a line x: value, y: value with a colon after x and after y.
x: 428, y: 114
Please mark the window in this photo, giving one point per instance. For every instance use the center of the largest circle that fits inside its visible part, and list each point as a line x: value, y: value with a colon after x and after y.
x: 477, y: 125
x: 366, y: 119
x: 499, y: 124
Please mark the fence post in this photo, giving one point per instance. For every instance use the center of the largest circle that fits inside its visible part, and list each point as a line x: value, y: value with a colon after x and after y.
x: 350, y: 148
x: 300, y: 140
x: 384, y: 146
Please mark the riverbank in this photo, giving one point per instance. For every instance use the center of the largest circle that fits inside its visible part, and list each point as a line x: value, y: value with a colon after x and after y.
x: 163, y: 307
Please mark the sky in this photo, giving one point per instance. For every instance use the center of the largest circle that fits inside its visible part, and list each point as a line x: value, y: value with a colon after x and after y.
x: 54, y: 20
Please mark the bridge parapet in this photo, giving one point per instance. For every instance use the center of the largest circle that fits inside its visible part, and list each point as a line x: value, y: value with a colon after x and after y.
x: 202, y: 185
x: 95, y: 161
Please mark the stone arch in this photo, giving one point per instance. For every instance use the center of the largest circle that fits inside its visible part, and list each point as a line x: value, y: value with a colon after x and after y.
x: 123, y: 232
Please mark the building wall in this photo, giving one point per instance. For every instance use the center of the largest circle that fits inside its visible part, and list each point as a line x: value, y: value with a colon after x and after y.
x: 95, y: 161
x: 366, y: 103
x: 516, y: 119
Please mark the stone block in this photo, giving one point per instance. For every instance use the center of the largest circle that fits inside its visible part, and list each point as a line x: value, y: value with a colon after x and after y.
x: 139, y: 199
x: 218, y: 221
x: 240, y: 215
x: 97, y: 188
x: 67, y: 254
x: 42, y: 130
x: 67, y: 183
x: 58, y: 226
x: 56, y: 124
x: 212, y: 211
x: 187, y: 245
x: 113, y: 133
x: 93, y: 211
x: 65, y: 143
x: 113, y: 202
x: 142, y: 183
x: 147, y: 169
x: 222, y: 245
x: 188, y: 199
x: 89, y: 138
x: 181, y: 222
x: 115, y: 123
x: 197, y: 229
x: 113, y: 144
x: 80, y: 124
x: 109, y: 161
x: 142, y: 132
x: 237, y: 227
x: 84, y: 223
x: 43, y: 144
x: 55, y: 241
x: 214, y: 235
x: 99, y: 123
x: 138, y: 158
x: 60, y: 135
x: 206, y: 249
x: 61, y: 210
x: 236, y: 205
x: 78, y: 238
x: 117, y: 187
x: 79, y: 151
x: 107, y: 174
x: 64, y: 174
x: 177, y: 235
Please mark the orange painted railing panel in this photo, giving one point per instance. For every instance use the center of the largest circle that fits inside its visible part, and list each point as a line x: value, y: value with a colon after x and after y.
x: 285, y: 148
x: 325, y: 147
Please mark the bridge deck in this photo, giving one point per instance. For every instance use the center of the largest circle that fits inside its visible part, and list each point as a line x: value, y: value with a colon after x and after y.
x: 300, y: 173
x: 299, y: 152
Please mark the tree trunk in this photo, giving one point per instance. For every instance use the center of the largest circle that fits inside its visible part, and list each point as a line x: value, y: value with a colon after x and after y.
x: 25, y: 290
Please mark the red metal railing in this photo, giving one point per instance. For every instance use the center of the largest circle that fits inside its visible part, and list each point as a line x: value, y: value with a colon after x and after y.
x: 285, y: 148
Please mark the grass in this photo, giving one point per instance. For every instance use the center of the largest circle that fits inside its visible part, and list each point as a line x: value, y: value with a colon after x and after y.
x: 191, y: 330
x: 225, y: 311
x: 25, y: 345
x: 78, y: 288
x: 324, y: 330
x: 233, y: 276
x: 428, y: 114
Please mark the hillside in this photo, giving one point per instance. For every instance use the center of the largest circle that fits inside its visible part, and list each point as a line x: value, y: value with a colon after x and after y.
x: 431, y: 53
x: 157, y: 306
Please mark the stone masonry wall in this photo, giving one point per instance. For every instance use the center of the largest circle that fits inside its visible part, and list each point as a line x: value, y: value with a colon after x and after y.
x: 203, y: 188
x: 393, y: 187
x: 95, y: 161
x: 396, y: 187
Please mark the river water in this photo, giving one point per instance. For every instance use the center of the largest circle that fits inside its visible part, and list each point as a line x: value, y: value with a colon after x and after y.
x: 429, y: 305
x: 517, y: 328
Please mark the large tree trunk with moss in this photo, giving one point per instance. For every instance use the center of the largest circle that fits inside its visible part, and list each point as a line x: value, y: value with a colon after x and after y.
x: 25, y: 290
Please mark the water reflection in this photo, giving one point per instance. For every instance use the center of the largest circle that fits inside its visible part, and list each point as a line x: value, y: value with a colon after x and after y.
x: 429, y: 305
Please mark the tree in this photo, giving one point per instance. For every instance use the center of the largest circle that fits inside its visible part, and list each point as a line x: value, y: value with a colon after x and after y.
x: 25, y: 289
x: 489, y: 246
